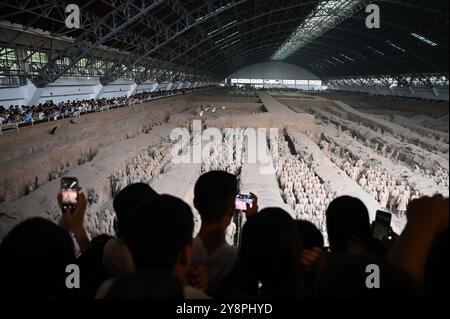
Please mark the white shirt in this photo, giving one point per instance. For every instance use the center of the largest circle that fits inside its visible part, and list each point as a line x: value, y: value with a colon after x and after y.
x: 218, y: 265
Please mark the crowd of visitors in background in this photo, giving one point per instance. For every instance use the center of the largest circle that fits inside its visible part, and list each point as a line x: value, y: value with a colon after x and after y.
x: 394, y: 97
x: 50, y: 111
x: 154, y: 254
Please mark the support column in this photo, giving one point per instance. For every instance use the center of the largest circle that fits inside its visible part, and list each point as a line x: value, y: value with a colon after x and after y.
x: 32, y: 94
x: 154, y: 87
x: 435, y: 92
x: 133, y: 89
x: 98, y: 91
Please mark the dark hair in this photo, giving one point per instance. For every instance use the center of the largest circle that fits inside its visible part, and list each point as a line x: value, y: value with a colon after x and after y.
x: 126, y: 201
x: 153, y: 284
x: 92, y: 268
x: 267, y: 256
x: 33, y: 260
x: 157, y: 232
x: 347, y: 220
x: 309, y: 234
x: 214, y: 193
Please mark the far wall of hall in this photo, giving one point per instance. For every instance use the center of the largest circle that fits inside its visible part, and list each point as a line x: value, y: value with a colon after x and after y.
x: 72, y: 88
x: 276, y: 75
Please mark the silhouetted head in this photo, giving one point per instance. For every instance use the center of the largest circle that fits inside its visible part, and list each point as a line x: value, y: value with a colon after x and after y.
x: 33, y: 260
x: 126, y: 201
x: 159, y: 234
x: 149, y: 284
x: 214, y: 197
x: 310, y: 235
x: 348, y: 224
x: 267, y: 256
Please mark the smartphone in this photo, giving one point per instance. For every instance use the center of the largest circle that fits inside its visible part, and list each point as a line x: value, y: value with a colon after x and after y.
x: 69, y: 192
x: 242, y: 200
x: 382, y: 225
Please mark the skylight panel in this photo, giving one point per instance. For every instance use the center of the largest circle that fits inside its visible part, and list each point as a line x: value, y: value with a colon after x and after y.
x: 375, y: 50
x: 331, y: 62
x: 396, y: 46
x: 230, y: 44
x: 233, y: 34
x: 206, y: 16
x: 222, y: 27
x: 324, y: 17
x: 336, y: 59
x: 347, y: 57
x: 423, y: 39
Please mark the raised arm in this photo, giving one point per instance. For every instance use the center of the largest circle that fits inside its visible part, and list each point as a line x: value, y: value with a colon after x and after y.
x: 427, y: 218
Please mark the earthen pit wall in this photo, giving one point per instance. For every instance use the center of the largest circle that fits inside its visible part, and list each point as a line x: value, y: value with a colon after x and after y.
x: 381, y: 104
x: 95, y: 174
x: 226, y: 99
x: 420, y: 129
x: 32, y: 152
x: 408, y: 153
x: 302, y: 122
x: 278, y: 116
x: 374, y: 123
x: 230, y: 106
x: 348, y: 113
x: 400, y: 172
x: 305, y: 104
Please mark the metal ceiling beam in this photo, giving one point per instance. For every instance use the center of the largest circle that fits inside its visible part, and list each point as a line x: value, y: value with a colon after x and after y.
x: 399, y: 23
x: 110, y: 24
x: 322, y: 53
x: 90, y: 24
x: 187, y: 48
x: 259, y: 54
x: 177, y: 29
x: 365, y: 36
x: 243, y: 17
x: 162, y: 31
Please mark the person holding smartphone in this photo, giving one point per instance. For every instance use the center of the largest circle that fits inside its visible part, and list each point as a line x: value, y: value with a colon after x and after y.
x: 73, y: 204
x: 215, y: 199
